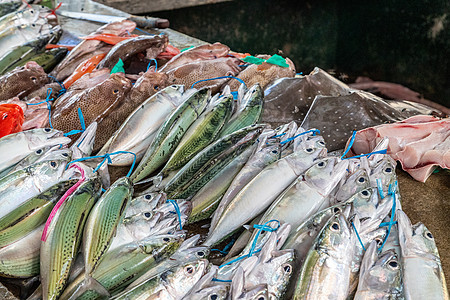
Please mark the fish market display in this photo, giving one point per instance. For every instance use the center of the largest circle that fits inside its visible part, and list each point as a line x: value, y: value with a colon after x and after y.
x: 135, y: 170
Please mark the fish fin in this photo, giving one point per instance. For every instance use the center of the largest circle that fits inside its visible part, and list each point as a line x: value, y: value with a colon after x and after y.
x: 283, y: 234
x: 266, y: 250
x: 237, y: 284
x: 89, y: 284
x: 368, y: 260
x: 157, y: 179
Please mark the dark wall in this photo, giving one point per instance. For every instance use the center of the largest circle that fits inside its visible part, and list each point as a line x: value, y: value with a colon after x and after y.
x: 406, y: 42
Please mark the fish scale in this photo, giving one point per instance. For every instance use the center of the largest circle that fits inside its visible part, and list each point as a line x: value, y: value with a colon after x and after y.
x: 206, y: 155
x: 58, y: 252
x: 31, y: 214
x: 170, y: 133
x: 208, y: 170
x: 200, y: 134
x: 103, y: 221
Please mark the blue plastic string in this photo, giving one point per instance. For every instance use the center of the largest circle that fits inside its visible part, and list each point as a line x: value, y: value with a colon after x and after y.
x: 220, y: 280
x: 386, y: 224
x: 63, y: 88
x: 49, y: 106
x: 384, y: 151
x: 380, y: 188
x: 83, y: 125
x: 278, y: 135
x: 391, y: 221
x: 235, y: 94
x: 221, y: 77
x: 106, y: 157
x: 252, y: 251
x: 177, y: 210
x: 359, y: 238
x: 144, y: 32
x: 150, y: 63
x: 314, y: 132
x: 225, y: 251
x: 350, y: 145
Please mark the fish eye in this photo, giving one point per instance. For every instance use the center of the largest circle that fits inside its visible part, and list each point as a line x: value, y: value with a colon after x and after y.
x: 309, y: 150
x: 166, y: 239
x: 361, y: 179
x: 147, y: 214
x: 115, y: 91
x: 321, y: 143
x: 336, y: 210
x: 429, y: 235
x: 5, y: 116
x: 47, y: 129
x: 261, y: 298
x: 335, y: 226
x: 275, y: 151
x: 39, y: 151
x: 213, y: 297
x: 321, y: 164
x: 379, y: 242
x: 148, y: 197
x: 388, y: 170
x: 53, y: 164
x: 33, y: 78
x: 365, y: 193
x: 156, y: 87
x: 189, y: 270
x: 287, y: 268
x: 201, y: 253
x: 65, y: 154
x: 393, y: 264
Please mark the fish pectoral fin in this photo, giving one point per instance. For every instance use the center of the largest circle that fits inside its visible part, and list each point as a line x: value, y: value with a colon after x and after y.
x: 90, y: 284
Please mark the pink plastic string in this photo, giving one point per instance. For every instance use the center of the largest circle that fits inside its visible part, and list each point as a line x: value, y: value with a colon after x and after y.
x: 61, y: 201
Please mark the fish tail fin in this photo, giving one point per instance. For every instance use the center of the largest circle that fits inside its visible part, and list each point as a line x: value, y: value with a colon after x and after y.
x: 90, y: 284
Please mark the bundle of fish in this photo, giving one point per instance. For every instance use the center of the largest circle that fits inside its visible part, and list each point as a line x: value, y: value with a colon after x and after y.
x: 305, y: 221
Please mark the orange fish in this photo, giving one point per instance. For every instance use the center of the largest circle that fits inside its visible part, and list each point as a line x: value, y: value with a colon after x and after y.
x: 85, y: 67
x: 108, y: 38
x: 53, y: 46
x: 11, y: 119
x: 169, y: 52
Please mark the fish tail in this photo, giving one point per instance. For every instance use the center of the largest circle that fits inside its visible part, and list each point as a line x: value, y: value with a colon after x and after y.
x: 89, y: 284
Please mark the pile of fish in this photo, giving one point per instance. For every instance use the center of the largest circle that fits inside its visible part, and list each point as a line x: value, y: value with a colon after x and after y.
x: 288, y: 216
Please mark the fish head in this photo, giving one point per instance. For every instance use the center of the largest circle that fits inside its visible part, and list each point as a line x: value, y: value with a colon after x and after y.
x: 110, y: 91
x: 384, y: 173
x: 280, y: 267
x: 40, y: 137
x: 50, y: 170
x: 336, y: 236
x: 25, y: 79
x: 326, y: 173
x: 165, y: 244
x: 215, y: 292
x: 146, y: 202
x: 415, y: 240
x: 55, y: 154
x: 353, y: 184
x: 185, y: 277
x: 11, y: 119
x: 253, y: 97
x: 304, y: 157
x: 191, y: 254
x: 212, y: 51
x: 148, y: 84
x: 386, y: 272
x: 362, y: 203
x: 258, y: 292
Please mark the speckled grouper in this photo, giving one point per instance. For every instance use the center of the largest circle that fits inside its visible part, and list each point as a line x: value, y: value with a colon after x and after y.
x: 192, y: 72
x: 203, y: 52
x: 22, y: 81
x: 88, y: 48
x: 263, y: 74
x: 153, y: 45
x: 96, y: 104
